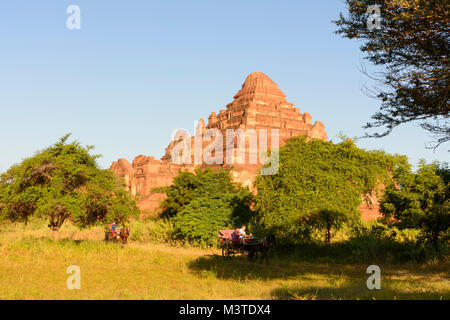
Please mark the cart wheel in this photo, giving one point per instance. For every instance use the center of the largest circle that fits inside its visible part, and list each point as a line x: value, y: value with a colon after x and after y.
x: 227, y: 251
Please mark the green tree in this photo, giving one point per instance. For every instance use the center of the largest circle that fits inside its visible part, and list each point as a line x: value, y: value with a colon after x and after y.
x: 202, y: 202
x: 199, y: 221
x: 179, y: 194
x: 420, y: 201
x: 316, y: 175
x: 63, y: 182
x: 411, y: 46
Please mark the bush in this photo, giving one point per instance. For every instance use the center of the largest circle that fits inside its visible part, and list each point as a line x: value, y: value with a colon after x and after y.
x: 420, y: 201
x: 388, y: 244
x: 152, y: 230
x: 199, y: 222
x: 201, y: 203
x: 368, y: 243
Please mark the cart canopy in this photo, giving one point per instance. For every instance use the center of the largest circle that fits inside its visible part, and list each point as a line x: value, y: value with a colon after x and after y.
x: 226, y: 234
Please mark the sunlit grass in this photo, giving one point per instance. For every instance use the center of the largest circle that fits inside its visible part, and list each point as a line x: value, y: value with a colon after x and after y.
x: 32, y: 266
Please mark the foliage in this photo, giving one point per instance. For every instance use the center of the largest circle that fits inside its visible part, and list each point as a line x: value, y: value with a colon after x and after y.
x: 200, y: 220
x: 63, y: 182
x: 327, y: 220
x: 152, y: 230
x: 420, y: 200
x: 179, y: 194
x: 387, y: 243
x: 411, y: 45
x: 316, y: 175
x: 367, y: 243
x: 203, y: 202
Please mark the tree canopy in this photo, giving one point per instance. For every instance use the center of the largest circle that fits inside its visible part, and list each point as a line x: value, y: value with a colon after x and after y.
x: 420, y: 201
x: 63, y: 182
x: 319, y: 177
x: 180, y: 193
x: 410, y: 43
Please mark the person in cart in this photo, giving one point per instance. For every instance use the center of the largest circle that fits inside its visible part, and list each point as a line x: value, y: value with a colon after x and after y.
x: 115, y: 228
x: 235, y: 239
x: 235, y: 234
x: 243, y: 235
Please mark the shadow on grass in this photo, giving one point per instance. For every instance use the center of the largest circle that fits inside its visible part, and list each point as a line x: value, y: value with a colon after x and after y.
x: 315, y: 280
x: 243, y: 269
x: 357, y: 289
x: 236, y: 268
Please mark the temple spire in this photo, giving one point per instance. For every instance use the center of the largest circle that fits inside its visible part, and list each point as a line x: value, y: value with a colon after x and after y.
x: 259, y: 84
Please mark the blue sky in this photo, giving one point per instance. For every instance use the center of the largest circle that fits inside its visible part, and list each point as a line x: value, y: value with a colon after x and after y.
x: 138, y: 70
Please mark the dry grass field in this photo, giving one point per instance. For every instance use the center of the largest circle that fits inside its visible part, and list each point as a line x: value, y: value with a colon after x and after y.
x: 32, y: 266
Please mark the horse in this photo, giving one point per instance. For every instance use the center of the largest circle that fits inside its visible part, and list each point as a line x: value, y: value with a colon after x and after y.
x: 123, y: 235
x: 260, y: 246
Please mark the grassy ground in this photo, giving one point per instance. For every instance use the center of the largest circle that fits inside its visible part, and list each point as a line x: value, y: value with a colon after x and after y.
x: 32, y: 266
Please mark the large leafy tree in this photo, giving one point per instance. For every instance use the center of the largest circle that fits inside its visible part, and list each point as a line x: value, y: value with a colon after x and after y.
x: 409, y: 40
x: 202, y: 202
x: 63, y: 182
x: 319, y: 184
x: 420, y: 201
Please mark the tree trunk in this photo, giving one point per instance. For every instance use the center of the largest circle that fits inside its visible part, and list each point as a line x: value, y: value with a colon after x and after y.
x: 328, y: 236
x: 435, y: 241
x: 55, y: 234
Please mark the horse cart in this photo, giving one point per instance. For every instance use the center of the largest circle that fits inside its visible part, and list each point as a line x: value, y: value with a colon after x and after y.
x: 115, y: 232
x: 249, y: 247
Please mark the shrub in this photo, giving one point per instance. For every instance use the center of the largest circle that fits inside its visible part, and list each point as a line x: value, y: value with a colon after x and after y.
x: 420, y: 201
x: 381, y: 243
x: 152, y: 230
x: 199, y: 221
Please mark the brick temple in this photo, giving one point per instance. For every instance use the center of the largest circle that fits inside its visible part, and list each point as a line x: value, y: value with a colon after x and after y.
x: 260, y: 104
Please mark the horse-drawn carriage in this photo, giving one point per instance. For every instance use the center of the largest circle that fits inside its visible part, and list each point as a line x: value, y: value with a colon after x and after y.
x: 114, y: 232
x: 249, y: 247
